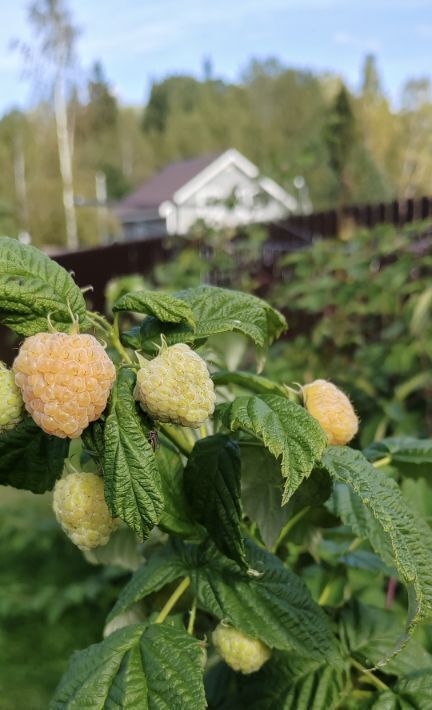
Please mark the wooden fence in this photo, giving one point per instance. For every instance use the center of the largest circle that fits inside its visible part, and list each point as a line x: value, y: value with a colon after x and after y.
x: 98, y: 265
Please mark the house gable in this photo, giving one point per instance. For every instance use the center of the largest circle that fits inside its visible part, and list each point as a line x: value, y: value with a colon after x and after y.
x: 225, y: 163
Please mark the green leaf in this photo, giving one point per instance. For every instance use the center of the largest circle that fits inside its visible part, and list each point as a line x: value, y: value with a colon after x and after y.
x: 402, y: 450
x: 409, y: 536
x: 157, y: 667
x: 262, y: 491
x: 368, y: 635
x: 163, y: 567
x: 250, y: 381
x: 32, y: 286
x: 348, y: 506
x: 120, y: 551
x: 177, y: 517
x: 418, y: 494
x: 216, y: 310
x: 289, y: 682
x: 412, y: 693
x: 31, y: 459
x: 93, y: 440
x: 212, y: 485
x: 275, y: 606
x: 286, y: 430
x: 131, y: 475
x: 163, y: 306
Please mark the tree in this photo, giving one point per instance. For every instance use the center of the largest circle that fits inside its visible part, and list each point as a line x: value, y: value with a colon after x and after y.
x: 340, y: 136
x: 371, y: 82
x: 102, y: 109
x: 53, y: 51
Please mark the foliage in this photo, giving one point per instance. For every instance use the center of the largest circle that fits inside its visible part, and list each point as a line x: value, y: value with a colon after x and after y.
x: 345, y: 146
x: 323, y: 553
x: 366, y: 325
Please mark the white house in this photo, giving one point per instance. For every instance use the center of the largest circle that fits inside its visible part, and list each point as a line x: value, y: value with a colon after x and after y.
x: 222, y: 190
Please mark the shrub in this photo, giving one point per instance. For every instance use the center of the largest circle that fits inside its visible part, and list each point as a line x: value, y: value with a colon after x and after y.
x: 310, y: 554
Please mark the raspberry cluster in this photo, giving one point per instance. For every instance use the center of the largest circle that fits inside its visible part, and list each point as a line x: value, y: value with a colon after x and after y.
x: 242, y: 653
x: 65, y: 381
x: 80, y: 508
x: 333, y: 411
x: 11, y: 403
x: 176, y: 387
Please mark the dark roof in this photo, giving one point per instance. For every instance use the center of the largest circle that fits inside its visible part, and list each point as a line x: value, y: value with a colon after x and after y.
x: 164, y: 184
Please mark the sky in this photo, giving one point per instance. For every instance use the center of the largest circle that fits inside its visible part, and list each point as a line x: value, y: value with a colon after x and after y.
x: 139, y: 41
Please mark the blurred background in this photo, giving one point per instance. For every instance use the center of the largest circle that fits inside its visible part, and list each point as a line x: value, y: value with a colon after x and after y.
x: 280, y: 147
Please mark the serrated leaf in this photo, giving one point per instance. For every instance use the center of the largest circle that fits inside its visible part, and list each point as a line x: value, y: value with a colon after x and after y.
x: 216, y: 310
x: 177, y: 517
x: 162, y: 568
x: 262, y: 489
x: 290, y: 682
x: 368, y: 635
x: 131, y: 475
x: 250, y: 381
x: 121, y: 551
x: 286, y: 430
x: 32, y: 286
x: 402, y: 450
x: 412, y: 693
x: 274, y: 606
x: 31, y: 459
x: 93, y: 440
x: 348, y: 506
x: 410, y: 537
x: 212, y: 485
x: 163, y: 306
x: 157, y: 667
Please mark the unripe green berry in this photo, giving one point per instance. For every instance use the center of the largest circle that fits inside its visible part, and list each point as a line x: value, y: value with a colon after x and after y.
x: 80, y: 508
x: 176, y: 387
x: 11, y: 402
x: 242, y: 653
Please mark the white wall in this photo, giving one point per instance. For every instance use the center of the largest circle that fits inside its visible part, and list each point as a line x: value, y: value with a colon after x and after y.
x: 209, y: 204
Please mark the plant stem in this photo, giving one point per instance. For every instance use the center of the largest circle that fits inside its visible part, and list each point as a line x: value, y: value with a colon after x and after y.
x: 371, y: 677
x: 115, y: 340
x: 175, y: 596
x: 177, y: 438
x: 325, y: 594
x: 110, y: 332
x: 192, y: 616
x: 290, y: 524
x: 382, y: 462
x: 355, y: 544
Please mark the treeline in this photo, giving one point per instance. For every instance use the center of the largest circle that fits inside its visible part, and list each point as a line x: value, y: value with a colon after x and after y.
x: 347, y: 147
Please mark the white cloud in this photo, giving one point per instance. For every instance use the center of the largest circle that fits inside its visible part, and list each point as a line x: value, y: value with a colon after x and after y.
x: 366, y: 44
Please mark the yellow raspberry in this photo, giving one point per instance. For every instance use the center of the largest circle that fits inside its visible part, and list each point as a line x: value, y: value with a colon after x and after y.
x: 176, y: 387
x: 333, y: 411
x: 242, y: 653
x: 11, y: 403
x: 80, y: 508
x: 65, y: 381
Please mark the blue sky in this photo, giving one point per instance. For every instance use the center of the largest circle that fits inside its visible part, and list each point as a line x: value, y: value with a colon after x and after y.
x: 141, y: 40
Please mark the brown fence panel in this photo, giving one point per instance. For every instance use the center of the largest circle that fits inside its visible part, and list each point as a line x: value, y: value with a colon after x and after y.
x: 97, y: 266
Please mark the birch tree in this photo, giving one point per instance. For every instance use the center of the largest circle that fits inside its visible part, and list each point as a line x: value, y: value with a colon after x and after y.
x: 52, y: 57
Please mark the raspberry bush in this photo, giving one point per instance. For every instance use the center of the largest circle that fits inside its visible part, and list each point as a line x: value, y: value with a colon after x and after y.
x: 279, y: 567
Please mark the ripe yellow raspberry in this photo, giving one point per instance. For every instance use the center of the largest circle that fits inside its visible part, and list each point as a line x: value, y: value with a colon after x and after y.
x: 240, y: 652
x: 65, y: 381
x: 80, y: 508
x: 176, y: 387
x: 332, y: 409
x: 11, y: 403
